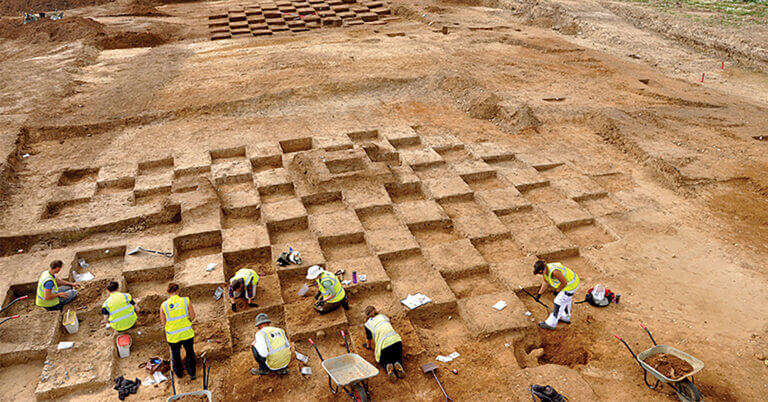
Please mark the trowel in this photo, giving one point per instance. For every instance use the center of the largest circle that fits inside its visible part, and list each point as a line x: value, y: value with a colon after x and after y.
x: 168, y: 254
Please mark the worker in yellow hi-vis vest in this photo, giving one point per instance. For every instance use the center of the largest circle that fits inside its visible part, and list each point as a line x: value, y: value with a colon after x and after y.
x: 565, y: 282
x: 243, y: 285
x: 119, y: 309
x: 177, y: 315
x: 270, y: 348
x: 49, y: 295
x: 388, y: 345
x: 331, y: 294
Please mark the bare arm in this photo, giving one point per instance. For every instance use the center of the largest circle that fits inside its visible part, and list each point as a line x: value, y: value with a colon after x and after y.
x: 162, y: 315
x: 561, y: 278
x: 543, y: 287
x: 48, y: 294
x: 191, y: 312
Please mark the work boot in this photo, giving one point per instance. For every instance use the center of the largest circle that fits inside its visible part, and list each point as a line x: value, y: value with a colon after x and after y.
x: 258, y: 371
x: 391, y: 372
x: 192, y: 377
x: 565, y: 320
x: 545, y: 325
x: 399, y: 370
x: 283, y: 371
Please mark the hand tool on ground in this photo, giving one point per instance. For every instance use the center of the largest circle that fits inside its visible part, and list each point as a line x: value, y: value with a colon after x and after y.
x: 168, y: 254
x: 14, y: 301
x: 534, y: 297
x: 432, y: 368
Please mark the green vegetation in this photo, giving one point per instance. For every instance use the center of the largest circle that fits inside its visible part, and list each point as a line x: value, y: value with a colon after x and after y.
x: 722, y: 12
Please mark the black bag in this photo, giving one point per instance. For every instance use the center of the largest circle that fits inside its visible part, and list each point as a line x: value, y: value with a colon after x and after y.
x: 545, y: 393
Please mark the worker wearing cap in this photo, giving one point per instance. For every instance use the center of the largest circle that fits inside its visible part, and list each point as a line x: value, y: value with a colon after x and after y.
x: 565, y: 283
x: 388, y: 344
x: 119, y: 309
x: 177, y: 315
x: 243, y: 284
x: 331, y: 295
x: 49, y: 295
x: 270, y: 348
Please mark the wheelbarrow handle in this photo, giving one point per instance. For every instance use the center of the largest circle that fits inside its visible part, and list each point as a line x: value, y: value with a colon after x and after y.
x: 316, y: 349
x: 649, y: 333
x: 625, y: 344
x: 346, y: 344
x: 14, y: 301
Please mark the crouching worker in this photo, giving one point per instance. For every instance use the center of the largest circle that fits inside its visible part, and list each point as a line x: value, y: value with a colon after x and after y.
x: 565, y: 283
x: 388, y: 344
x: 49, y: 295
x: 119, y: 309
x: 270, y: 348
x: 331, y: 295
x: 243, y: 285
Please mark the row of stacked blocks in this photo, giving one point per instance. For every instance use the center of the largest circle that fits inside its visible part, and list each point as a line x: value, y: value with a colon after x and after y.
x: 295, y: 16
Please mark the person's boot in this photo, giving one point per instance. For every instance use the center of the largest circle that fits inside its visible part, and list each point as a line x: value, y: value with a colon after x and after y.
x: 283, y: 371
x: 565, y: 320
x: 399, y: 370
x: 391, y: 372
x: 545, y: 325
x: 259, y: 371
x: 193, y: 377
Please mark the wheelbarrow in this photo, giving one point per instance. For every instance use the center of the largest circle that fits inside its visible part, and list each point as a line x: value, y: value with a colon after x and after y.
x: 13, y: 301
x: 349, y: 372
x: 204, y: 393
x: 684, y: 386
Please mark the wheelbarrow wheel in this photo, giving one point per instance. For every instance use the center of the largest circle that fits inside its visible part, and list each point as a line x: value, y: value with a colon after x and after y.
x: 687, y: 392
x: 360, y: 394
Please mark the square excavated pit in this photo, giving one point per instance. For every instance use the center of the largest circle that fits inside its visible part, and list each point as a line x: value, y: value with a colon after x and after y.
x: 400, y: 136
x: 447, y: 188
x: 384, y: 301
x: 442, y: 142
x: 192, y: 275
x: 421, y: 214
x: 391, y: 241
x: 85, y: 367
x: 273, y: 181
x: 231, y: 171
x: 104, y: 262
x: 502, y: 201
x: 323, y: 203
x: 579, y: 188
x: 242, y: 327
x: 563, y: 171
x: 245, y: 243
x: 27, y: 337
x: 455, y: 259
x: 615, y: 181
x: 149, y: 296
x: 599, y: 207
x: 285, y: 215
x: 475, y: 285
x: 538, y: 161
x: 525, y: 220
x: 71, y: 177
x: 350, y: 247
x: 160, y: 165
x: 119, y: 175
x: 23, y: 376
x: 401, y: 192
x: 498, y: 250
x: 151, y: 184
x: 524, y: 178
x: 485, y: 226
x: 421, y: 158
x: 429, y: 283
x: 332, y: 143
x: 515, y: 273
x: 491, y: 151
x: 296, y: 144
x: 487, y: 183
x: 264, y: 156
x: 566, y: 213
x: 146, y: 266
x: 546, y: 242
x: 456, y: 154
x: 474, y: 170
x: 589, y: 235
x: 192, y: 162
x: 208, y: 332
x: 191, y: 244
x: 376, y: 277
x: 378, y: 217
x: 340, y: 226
x: 302, y: 321
x: 241, y: 203
x: 311, y: 254
x: 374, y: 196
x: 20, y: 307
x: 543, y: 194
x: 484, y: 320
x: 431, y: 236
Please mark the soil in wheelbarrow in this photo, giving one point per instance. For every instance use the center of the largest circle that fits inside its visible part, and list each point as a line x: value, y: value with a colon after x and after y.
x: 192, y: 398
x: 670, y: 366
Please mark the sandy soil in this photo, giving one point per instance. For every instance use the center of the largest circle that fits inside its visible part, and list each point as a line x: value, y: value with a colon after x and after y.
x: 455, y: 144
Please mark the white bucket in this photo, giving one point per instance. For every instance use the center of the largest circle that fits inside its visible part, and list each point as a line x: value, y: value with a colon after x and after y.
x: 70, y: 322
x: 124, y: 345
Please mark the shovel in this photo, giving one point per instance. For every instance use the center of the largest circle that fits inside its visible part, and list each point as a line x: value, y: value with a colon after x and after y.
x: 168, y: 254
x: 534, y: 297
x: 432, y: 368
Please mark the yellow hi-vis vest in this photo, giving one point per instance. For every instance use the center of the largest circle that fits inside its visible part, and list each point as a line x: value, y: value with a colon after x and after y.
x: 383, y: 333
x: 570, y: 276
x: 40, y: 299
x: 122, y: 314
x: 248, y: 276
x: 278, y: 348
x: 338, y: 292
x: 177, y: 325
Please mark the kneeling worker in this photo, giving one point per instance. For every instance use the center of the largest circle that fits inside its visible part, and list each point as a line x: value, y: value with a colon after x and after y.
x: 119, y: 309
x: 49, y: 295
x: 331, y: 295
x: 243, y: 284
x: 565, y: 283
x: 388, y: 344
x: 270, y: 348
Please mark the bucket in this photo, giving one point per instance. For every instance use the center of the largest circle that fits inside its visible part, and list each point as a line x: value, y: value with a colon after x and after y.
x: 70, y: 322
x: 124, y: 345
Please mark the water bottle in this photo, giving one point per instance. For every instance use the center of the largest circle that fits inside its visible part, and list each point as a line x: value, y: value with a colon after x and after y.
x: 354, y: 277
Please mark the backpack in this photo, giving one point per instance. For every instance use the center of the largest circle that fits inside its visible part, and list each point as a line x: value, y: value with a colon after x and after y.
x: 607, y: 299
x: 546, y: 393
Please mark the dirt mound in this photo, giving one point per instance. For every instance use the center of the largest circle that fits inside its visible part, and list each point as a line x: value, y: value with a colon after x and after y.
x: 126, y: 40
x: 11, y: 7
x: 65, y: 30
x: 670, y: 366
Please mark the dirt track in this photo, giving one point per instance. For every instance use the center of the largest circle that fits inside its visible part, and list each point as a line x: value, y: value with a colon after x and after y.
x: 440, y: 152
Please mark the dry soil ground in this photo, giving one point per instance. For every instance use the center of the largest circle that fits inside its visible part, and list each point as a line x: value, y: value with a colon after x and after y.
x: 437, y: 147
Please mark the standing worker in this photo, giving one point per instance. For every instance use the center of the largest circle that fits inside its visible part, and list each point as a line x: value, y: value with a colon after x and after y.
x: 331, y: 295
x: 49, y: 295
x: 243, y: 284
x: 270, y: 348
x: 388, y: 344
x: 565, y: 283
x: 177, y: 315
x: 119, y: 309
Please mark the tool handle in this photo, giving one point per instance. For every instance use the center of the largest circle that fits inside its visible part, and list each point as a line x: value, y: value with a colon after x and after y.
x: 15, y: 316
x: 346, y: 344
x: 625, y: 344
x: 316, y: 349
x: 23, y: 297
x: 649, y: 333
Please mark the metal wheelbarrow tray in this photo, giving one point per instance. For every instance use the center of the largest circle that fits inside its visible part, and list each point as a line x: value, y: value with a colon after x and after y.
x: 694, y: 362
x: 203, y: 393
x: 349, y: 368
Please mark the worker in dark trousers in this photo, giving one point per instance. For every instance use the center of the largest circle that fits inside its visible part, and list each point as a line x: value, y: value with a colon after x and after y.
x: 177, y: 315
x: 388, y: 345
